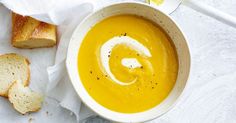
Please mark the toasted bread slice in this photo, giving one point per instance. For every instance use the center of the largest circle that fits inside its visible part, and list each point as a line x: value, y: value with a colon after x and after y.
x: 30, y: 33
x: 23, y: 99
x: 13, y: 67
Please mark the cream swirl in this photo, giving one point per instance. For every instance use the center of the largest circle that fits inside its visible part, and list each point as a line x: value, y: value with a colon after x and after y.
x: 107, y: 47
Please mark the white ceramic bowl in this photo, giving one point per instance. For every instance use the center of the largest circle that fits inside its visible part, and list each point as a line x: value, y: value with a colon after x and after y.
x: 147, y: 12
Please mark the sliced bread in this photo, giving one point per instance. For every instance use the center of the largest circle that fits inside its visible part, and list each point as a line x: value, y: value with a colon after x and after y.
x: 23, y: 99
x: 28, y: 32
x: 13, y: 67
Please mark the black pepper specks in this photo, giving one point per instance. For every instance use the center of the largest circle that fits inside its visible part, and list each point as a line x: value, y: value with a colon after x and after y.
x: 123, y: 34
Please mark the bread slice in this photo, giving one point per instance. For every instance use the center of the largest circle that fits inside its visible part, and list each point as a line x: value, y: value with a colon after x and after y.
x: 28, y: 32
x: 13, y: 67
x: 23, y: 99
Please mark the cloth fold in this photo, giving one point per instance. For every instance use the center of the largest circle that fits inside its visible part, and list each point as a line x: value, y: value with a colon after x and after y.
x: 50, y: 11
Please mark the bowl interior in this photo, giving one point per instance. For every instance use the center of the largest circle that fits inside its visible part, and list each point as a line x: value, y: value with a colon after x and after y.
x: 149, y: 13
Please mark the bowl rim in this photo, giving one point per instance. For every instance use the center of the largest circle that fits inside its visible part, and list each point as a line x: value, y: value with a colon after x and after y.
x: 119, y: 119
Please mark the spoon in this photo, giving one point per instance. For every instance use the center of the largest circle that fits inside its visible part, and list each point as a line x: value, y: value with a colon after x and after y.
x: 168, y: 6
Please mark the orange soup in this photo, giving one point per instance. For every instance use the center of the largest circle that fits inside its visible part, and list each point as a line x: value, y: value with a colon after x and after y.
x: 127, y: 64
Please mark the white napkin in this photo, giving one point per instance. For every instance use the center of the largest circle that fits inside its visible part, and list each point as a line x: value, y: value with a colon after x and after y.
x: 60, y: 86
x: 51, y: 11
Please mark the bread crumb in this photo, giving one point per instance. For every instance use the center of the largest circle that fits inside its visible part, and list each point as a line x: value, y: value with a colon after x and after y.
x: 30, y: 120
x: 47, y: 113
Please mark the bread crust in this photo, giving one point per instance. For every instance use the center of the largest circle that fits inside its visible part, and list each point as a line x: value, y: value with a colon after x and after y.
x: 30, y: 33
x: 22, y: 47
x: 25, y: 83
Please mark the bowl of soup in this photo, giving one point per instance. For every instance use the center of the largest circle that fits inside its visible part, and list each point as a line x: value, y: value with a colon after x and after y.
x: 128, y: 62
